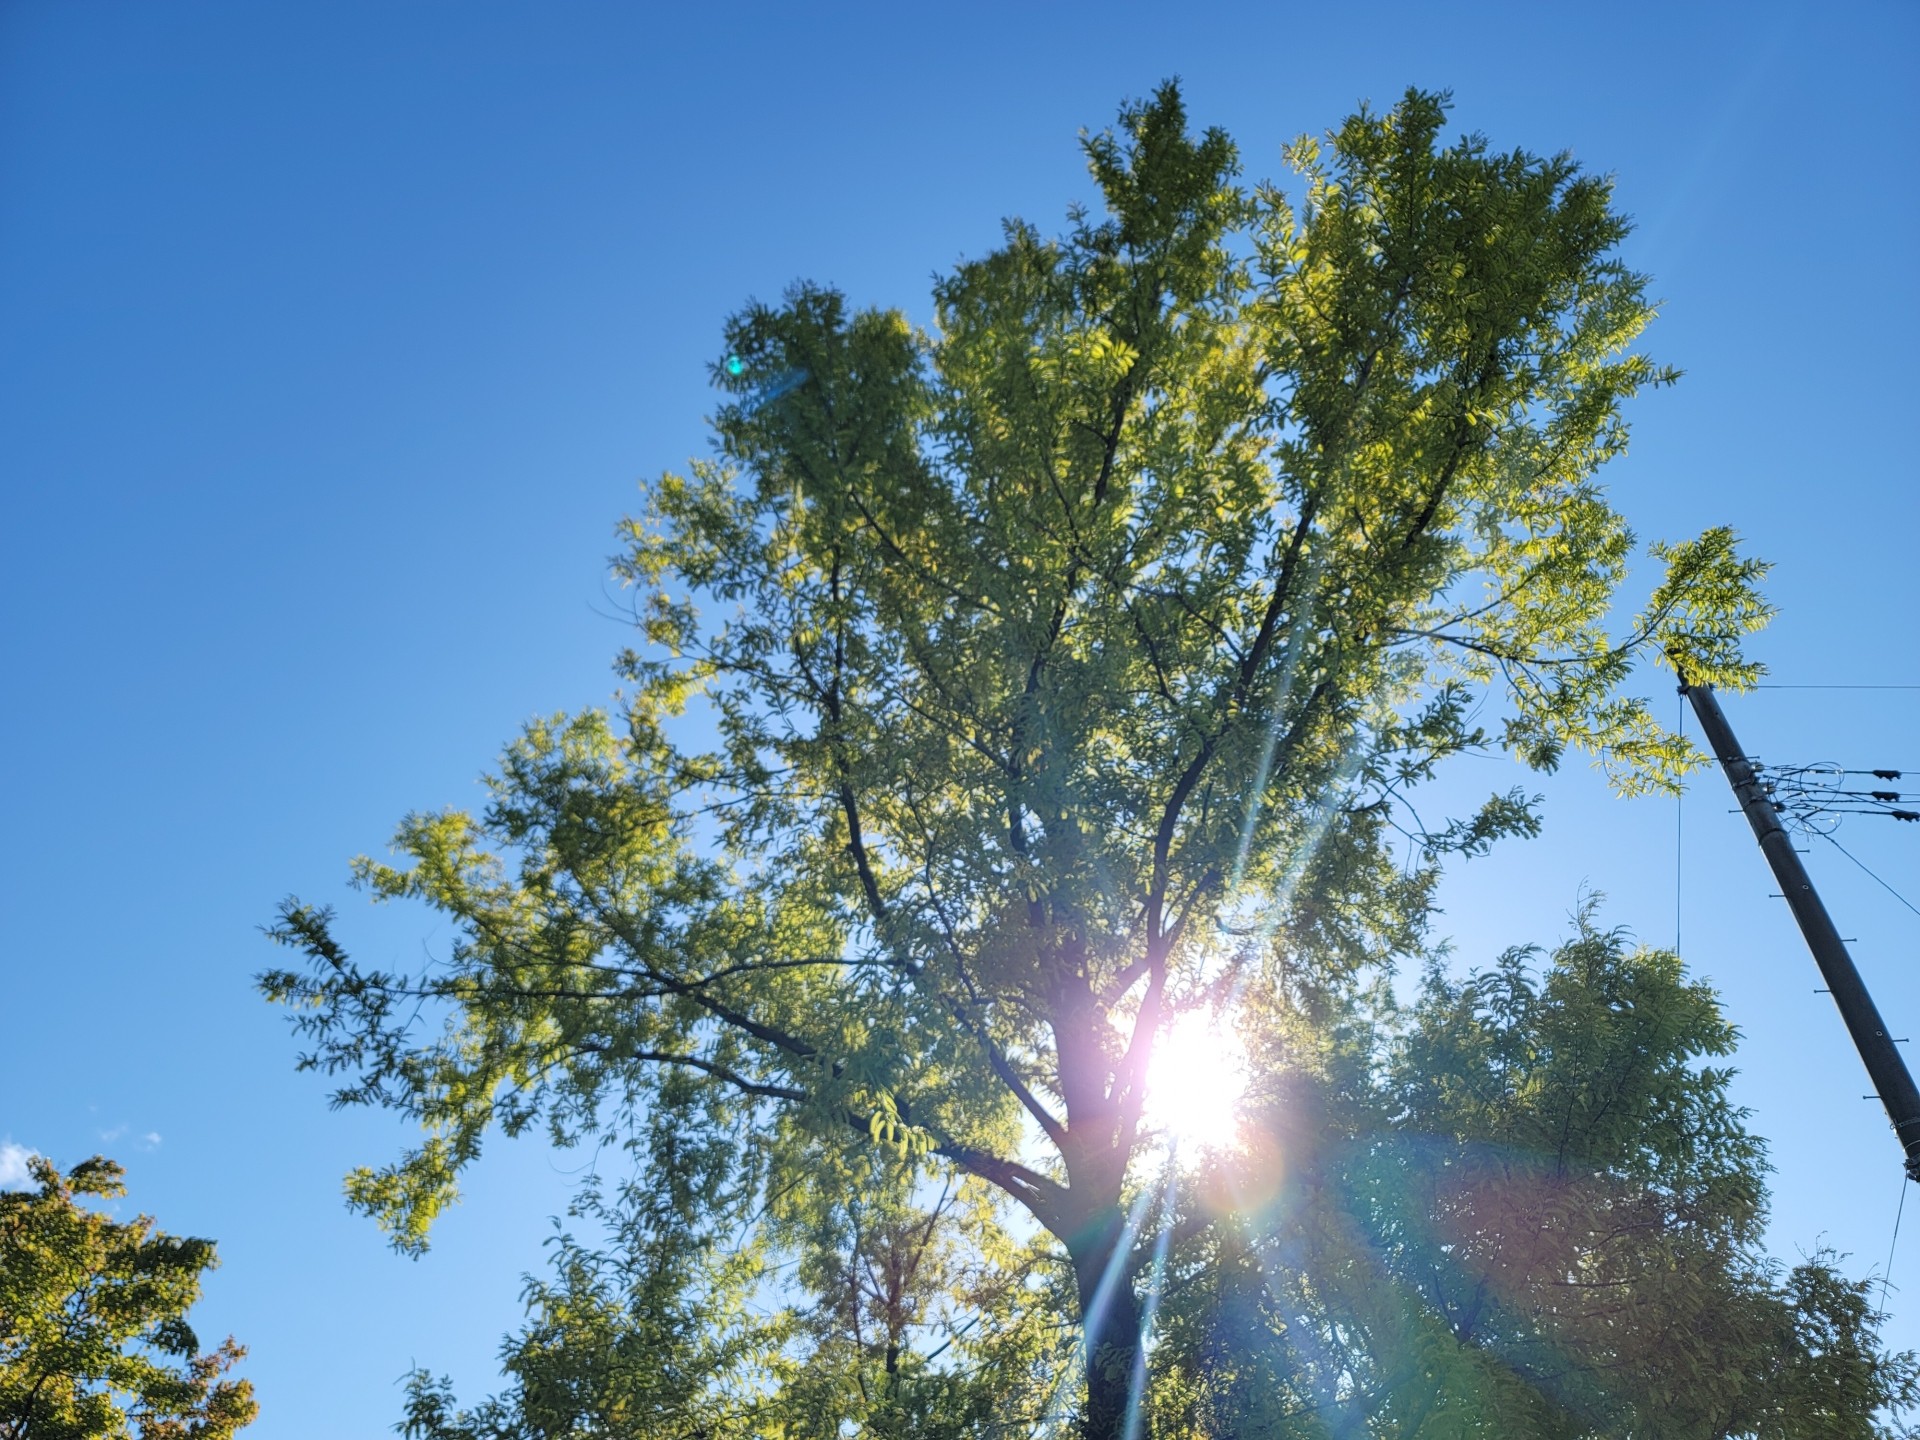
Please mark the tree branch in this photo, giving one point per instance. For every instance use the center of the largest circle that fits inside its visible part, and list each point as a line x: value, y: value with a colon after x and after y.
x: 1043, y: 1197
x: 719, y: 1072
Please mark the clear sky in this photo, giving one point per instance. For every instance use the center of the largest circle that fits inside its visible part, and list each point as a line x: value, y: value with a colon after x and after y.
x: 335, y: 336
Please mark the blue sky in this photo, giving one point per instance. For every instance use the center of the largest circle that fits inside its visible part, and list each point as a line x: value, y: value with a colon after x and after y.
x: 335, y: 337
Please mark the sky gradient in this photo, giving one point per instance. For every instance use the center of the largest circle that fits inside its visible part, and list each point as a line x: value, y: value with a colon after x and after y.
x: 335, y: 337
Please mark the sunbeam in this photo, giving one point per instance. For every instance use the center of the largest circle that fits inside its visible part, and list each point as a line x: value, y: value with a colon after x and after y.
x: 1115, y: 1271
x: 1283, y: 687
x: 1137, y: 1383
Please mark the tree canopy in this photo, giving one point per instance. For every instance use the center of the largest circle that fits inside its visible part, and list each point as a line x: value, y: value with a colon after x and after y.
x: 94, y: 1342
x: 1067, y: 670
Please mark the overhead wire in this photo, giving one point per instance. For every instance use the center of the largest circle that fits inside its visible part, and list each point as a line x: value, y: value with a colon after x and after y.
x: 1795, y: 771
x: 1865, y: 809
x: 1807, y: 792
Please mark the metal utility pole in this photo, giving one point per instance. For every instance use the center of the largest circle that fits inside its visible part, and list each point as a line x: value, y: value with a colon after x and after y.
x: 1889, y: 1071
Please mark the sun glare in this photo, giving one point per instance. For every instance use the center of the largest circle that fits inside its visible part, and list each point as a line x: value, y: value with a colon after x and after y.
x: 1195, y: 1078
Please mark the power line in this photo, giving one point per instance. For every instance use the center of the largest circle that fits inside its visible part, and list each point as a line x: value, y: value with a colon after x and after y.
x: 1808, y: 792
x: 1837, y: 687
x: 1883, y: 774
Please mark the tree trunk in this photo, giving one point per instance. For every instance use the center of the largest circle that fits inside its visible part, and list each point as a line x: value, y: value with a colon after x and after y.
x: 1112, y: 1335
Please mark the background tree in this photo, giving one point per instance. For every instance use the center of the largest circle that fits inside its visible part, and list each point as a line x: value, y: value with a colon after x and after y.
x: 1524, y: 1207
x: 646, y: 1329
x: 94, y: 1342
x: 1120, y: 611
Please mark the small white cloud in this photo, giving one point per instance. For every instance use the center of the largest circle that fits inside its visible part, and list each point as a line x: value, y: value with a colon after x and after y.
x: 13, y: 1166
x: 107, y: 1137
x: 151, y: 1139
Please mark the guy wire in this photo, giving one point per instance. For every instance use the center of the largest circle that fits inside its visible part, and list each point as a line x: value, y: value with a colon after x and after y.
x: 1679, y: 816
x: 1887, y: 1274
x: 1875, y: 878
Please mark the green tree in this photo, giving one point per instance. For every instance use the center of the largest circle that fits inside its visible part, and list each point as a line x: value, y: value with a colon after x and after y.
x: 94, y: 1343
x: 1118, y: 613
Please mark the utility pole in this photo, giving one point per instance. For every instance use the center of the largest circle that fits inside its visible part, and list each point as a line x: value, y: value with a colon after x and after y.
x: 1891, y: 1081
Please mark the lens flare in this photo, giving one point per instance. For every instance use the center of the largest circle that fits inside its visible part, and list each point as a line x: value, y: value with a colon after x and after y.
x: 1195, y: 1079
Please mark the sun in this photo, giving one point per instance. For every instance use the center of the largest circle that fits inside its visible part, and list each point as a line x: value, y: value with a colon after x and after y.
x: 1195, y: 1078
